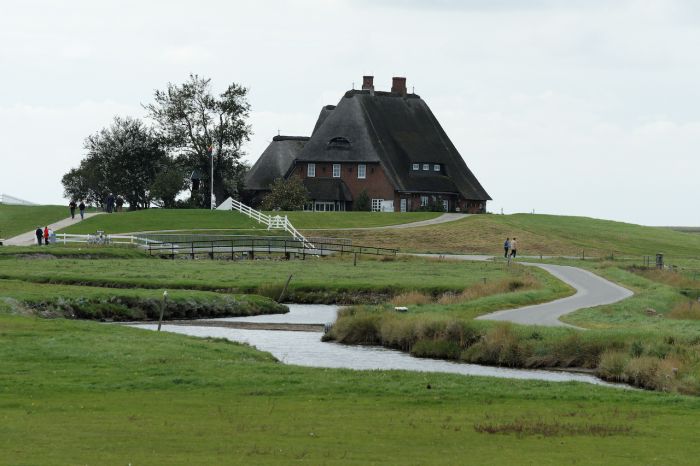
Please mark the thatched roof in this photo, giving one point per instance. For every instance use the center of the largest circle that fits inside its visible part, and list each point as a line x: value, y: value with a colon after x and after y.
x: 396, y: 131
x: 275, y: 161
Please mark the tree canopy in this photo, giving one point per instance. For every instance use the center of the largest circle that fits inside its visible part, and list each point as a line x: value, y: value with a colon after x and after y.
x: 194, y: 123
x: 122, y: 159
x: 289, y: 194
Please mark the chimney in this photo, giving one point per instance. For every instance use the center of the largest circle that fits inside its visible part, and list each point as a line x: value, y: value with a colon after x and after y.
x: 398, y: 86
x: 367, y: 83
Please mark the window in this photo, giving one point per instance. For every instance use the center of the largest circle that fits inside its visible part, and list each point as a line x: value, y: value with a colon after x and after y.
x: 311, y: 170
x: 416, y: 167
x: 424, y: 201
x: 377, y: 205
x: 436, y: 167
x: 339, y: 143
x: 336, y: 170
x: 362, y: 171
x: 426, y: 166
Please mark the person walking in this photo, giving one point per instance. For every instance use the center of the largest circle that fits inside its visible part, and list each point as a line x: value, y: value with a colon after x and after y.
x: 514, y: 248
x: 39, y: 235
x: 46, y: 236
x: 506, y: 248
x: 120, y: 203
x: 81, y: 207
x: 72, y: 206
x: 110, y: 203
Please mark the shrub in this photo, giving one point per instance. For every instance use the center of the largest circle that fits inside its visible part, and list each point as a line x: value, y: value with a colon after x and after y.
x: 612, y: 366
x: 436, y: 349
x: 642, y: 371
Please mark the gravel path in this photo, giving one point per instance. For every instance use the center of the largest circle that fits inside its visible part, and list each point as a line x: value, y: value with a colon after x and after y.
x: 591, y: 291
x: 28, y: 238
x: 444, y: 218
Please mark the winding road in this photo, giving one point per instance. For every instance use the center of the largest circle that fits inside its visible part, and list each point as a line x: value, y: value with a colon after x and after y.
x: 591, y: 291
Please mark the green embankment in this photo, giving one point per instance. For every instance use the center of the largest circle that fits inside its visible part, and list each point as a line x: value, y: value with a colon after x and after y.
x: 234, y: 222
x: 85, y: 393
x: 536, y: 234
x: 314, y: 280
x: 16, y: 219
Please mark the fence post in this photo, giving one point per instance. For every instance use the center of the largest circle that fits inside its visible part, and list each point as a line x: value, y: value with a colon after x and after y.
x: 354, y: 261
x: 162, y: 308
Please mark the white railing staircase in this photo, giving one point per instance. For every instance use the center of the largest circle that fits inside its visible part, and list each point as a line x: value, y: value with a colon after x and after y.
x: 273, y: 222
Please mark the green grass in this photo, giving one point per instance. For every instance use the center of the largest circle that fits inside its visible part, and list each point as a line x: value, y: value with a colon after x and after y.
x: 86, y: 302
x: 234, y: 222
x: 165, y: 219
x: 15, y: 219
x: 85, y: 393
x: 330, y: 220
x: 84, y: 251
x: 536, y: 234
x: 329, y: 275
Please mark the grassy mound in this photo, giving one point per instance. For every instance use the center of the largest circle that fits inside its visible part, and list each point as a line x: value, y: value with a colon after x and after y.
x: 536, y: 234
x: 17, y: 219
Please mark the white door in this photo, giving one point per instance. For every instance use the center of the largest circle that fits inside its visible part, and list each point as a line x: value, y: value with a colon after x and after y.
x: 403, y: 205
x: 387, y: 206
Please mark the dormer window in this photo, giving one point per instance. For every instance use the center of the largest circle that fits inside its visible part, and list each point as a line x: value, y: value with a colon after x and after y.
x: 416, y: 167
x: 426, y: 167
x: 436, y: 167
x: 339, y: 142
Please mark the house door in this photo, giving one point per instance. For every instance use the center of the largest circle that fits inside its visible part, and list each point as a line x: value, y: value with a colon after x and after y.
x: 387, y: 206
x: 446, y: 205
x: 404, y: 206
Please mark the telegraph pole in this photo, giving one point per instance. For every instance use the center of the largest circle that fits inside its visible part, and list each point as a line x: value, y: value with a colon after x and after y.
x: 210, y: 150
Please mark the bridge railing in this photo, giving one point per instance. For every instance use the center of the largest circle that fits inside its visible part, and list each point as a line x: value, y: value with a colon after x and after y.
x: 272, y: 245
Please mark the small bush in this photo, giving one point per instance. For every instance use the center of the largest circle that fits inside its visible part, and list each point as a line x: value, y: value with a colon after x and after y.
x: 642, y: 371
x: 612, y: 366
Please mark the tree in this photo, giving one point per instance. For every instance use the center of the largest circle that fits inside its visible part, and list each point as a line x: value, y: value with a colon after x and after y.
x: 123, y: 159
x: 286, y: 195
x: 196, y: 125
x: 362, y: 202
x: 167, y: 185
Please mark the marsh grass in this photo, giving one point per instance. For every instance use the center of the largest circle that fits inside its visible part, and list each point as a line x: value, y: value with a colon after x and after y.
x: 688, y: 310
x: 545, y: 428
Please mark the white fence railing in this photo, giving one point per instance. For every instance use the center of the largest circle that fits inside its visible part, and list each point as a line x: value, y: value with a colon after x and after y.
x: 100, y: 238
x: 276, y: 222
x: 11, y: 200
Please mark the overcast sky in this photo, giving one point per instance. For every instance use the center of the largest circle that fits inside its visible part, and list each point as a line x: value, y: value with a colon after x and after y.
x: 582, y: 108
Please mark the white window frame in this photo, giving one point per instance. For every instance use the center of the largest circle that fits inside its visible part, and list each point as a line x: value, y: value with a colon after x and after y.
x: 424, y: 201
x: 436, y: 167
x: 361, y: 171
x: 336, y: 170
x: 311, y: 170
x: 377, y: 205
x: 426, y: 167
x: 416, y: 167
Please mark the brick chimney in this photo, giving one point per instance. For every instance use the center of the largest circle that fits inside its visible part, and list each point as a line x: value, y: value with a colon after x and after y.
x: 367, y: 83
x: 398, y: 86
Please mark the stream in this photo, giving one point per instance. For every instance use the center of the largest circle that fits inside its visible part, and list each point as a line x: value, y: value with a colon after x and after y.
x: 307, y: 349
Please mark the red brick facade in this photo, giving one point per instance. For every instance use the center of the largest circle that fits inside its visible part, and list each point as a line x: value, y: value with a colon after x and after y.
x: 378, y: 186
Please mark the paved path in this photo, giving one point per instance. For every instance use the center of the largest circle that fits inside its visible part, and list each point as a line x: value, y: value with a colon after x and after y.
x: 591, y: 291
x: 29, y: 238
x: 444, y: 218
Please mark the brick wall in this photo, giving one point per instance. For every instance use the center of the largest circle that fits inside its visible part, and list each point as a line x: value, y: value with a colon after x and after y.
x: 376, y: 183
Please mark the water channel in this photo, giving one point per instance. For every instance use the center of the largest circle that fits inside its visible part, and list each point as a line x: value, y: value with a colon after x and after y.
x: 307, y: 349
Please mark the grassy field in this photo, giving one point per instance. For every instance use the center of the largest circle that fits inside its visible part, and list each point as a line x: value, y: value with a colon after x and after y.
x: 84, y: 393
x: 234, y: 222
x: 536, y: 234
x: 370, y: 280
x: 15, y: 219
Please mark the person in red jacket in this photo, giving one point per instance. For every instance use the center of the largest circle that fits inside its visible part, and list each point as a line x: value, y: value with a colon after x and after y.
x: 46, y: 236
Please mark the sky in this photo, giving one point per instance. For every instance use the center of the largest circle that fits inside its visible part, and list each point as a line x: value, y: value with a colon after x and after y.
x: 587, y: 108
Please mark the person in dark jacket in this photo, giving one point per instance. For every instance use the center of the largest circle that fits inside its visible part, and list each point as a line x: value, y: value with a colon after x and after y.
x: 39, y: 235
x: 72, y: 206
x: 506, y: 248
x: 82, y: 210
x: 120, y: 203
x: 110, y: 203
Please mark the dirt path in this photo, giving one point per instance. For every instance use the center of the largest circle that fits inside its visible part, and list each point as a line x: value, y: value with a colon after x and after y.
x: 29, y: 238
